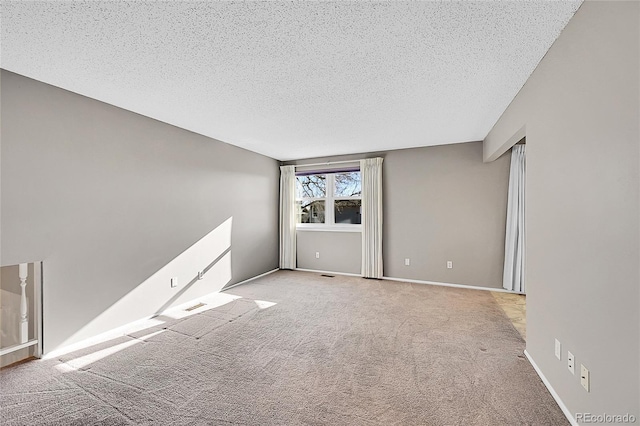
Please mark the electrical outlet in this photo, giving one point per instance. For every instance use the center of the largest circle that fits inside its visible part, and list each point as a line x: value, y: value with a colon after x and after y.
x: 200, y: 275
x: 584, y: 377
x: 407, y: 262
x: 571, y: 362
x: 558, y: 349
x: 317, y: 255
x: 174, y: 282
x: 449, y: 264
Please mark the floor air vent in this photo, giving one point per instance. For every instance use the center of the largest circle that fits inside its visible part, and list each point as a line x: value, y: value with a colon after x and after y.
x: 199, y: 305
x: 328, y: 276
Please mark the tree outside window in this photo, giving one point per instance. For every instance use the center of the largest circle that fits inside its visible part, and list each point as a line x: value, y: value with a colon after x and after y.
x: 329, y: 198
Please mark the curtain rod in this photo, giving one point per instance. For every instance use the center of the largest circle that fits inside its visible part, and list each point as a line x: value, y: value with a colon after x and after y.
x: 326, y: 163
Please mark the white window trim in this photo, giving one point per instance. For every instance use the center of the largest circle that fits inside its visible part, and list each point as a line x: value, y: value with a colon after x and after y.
x: 329, y: 224
x: 328, y: 228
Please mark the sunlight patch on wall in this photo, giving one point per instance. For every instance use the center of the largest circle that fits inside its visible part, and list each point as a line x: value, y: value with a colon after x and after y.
x: 203, y: 268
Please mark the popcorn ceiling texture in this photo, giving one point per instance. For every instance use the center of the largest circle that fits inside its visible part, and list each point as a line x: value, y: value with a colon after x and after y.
x: 292, y: 79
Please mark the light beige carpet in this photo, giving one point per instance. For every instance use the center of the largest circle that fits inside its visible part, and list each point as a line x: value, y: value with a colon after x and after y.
x: 331, y: 351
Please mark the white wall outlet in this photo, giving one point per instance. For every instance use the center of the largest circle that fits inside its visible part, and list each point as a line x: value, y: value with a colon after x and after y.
x: 174, y: 282
x: 200, y: 275
x: 558, y: 349
x: 584, y: 377
x: 317, y: 255
x: 407, y: 262
x: 571, y: 362
x: 449, y: 264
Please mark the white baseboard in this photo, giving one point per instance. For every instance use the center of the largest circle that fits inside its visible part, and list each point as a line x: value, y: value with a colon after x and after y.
x: 406, y: 280
x: 250, y: 279
x: 471, y: 287
x: 328, y: 272
x: 554, y: 394
x: 126, y: 328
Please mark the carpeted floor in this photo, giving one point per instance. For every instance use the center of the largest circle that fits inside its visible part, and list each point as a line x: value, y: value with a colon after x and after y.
x: 331, y: 351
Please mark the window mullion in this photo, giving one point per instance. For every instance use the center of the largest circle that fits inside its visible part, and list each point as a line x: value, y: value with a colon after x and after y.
x: 330, y: 213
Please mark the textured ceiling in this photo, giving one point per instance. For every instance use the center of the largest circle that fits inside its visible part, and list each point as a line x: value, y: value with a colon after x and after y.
x: 292, y: 79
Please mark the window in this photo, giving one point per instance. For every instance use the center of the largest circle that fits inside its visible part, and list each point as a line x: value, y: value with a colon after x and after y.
x: 329, y: 200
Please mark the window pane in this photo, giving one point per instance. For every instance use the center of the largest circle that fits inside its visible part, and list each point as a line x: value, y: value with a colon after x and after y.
x: 311, y: 211
x: 312, y: 186
x: 348, y: 211
x: 348, y: 184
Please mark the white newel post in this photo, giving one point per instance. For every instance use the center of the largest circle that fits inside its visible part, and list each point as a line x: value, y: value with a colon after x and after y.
x: 24, y: 323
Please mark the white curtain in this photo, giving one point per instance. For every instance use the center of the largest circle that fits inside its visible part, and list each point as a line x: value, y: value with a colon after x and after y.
x: 371, y: 172
x: 287, y: 217
x: 514, y: 258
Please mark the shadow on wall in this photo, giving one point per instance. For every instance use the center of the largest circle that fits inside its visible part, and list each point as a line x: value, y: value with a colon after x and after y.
x: 203, y: 268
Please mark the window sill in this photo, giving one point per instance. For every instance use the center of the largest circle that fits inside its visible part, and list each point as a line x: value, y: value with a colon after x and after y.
x: 329, y: 228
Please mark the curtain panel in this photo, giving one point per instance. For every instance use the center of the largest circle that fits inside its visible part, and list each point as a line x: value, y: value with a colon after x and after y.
x: 514, y: 256
x: 371, y: 174
x: 287, y: 217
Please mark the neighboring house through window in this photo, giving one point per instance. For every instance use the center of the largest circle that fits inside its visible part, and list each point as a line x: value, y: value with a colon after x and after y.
x: 329, y: 199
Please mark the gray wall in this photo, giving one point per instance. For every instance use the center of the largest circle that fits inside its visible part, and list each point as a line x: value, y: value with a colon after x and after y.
x: 339, y: 251
x: 581, y: 112
x: 110, y: 201
x: 443, y: 203
x: 439, y: 203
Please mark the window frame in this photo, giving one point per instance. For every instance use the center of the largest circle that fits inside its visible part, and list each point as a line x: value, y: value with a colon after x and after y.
x: 329, y: 200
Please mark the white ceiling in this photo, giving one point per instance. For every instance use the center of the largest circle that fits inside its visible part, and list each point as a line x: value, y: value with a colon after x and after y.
x: 292, y: 79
